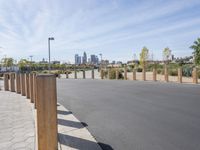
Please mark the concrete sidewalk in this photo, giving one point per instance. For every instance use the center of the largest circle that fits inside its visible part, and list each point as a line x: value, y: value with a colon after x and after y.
x: 17, y: 125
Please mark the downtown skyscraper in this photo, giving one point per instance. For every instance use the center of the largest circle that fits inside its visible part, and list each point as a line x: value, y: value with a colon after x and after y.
x: 84, y: 58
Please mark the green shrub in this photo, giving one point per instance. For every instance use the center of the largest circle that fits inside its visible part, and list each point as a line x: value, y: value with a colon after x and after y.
x: 60, y: 72
x: 105, y: 73
x: 69, y: 72
x: 112, y: 74
x: 150, y: 67
x: 173, y: 72
x: 45, y: 72
x: 160, y: 71
x: 139, y: 69
x: 187, y: 71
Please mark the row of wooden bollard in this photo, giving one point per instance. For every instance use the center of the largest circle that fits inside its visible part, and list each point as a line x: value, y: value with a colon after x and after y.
x: 41, y: 90
x: 166, y: 74
x: 84, y: 75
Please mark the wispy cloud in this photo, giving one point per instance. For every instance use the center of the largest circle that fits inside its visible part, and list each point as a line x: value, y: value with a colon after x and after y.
x: 96, y: 26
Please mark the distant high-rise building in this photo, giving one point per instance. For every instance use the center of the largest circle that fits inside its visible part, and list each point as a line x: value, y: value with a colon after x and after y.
x: 84, y: 59
x: 113, y: 62
x: 77, y: 59
x: 94, y: 59
x: 172, y: 57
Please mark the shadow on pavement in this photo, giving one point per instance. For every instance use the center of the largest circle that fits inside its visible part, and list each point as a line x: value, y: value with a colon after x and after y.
x: 81, y: 144
x: 105, y: 146
x: 84, y: 124
x: 61, y: 112
x: 70, y: 123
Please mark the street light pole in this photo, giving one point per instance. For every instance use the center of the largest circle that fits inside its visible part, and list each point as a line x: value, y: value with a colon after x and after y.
x: 50, y: 38
x: 31, y: 57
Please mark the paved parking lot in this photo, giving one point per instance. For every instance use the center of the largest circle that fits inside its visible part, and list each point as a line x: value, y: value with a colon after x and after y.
x: 136, y: 115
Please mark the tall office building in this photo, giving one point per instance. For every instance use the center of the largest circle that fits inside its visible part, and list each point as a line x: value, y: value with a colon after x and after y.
x: 94, y: 59
x: 77, y: 59
x: 84, y: 59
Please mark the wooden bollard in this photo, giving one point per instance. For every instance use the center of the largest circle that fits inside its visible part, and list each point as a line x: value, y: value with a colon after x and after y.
x: 46, y: 112
x: 18, y: 83
x: 67, y: 75
x: 154, y: 74
x: 125, y: 73
x: 83, y: 74
x: 75, y: 74
x: 22, y: 81
x: 108, y: 75
x: 166, y: 74
x: 194, y: 76
x: 180, y: 75
x: 101, y: 73
x: 34, y: 91
x: 6, y: 81
x: 31, y: 87
x: 144, y: 73
x: 117, y: 74
x: 92, y: 73
x: 27, y: 86
x: 12, y: 82
x: 134, y: 74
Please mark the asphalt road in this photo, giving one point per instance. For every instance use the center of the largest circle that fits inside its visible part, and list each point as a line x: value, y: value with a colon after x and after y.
x: 132, y: 115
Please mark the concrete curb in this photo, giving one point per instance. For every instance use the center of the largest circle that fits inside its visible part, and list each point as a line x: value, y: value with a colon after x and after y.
x: 72, y: 134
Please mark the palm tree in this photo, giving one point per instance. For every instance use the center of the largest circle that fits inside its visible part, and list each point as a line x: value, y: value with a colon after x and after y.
x: 196, y: 48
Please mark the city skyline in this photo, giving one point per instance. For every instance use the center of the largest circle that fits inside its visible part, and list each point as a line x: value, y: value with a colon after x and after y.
x: 85, y: 59
x: 112, y: 28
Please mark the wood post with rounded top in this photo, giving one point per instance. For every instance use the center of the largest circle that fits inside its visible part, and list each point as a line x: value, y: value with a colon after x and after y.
x: 12, y: 82
x: 46, y: 112
x: 27, y: 86
x: 194, y: 76
x: 134, y: 74
x: 18, y: 83
x: 31, y: 87
x: 166, y: 73
x: 6, y: 81
x: 180, y: 75
x: 22, y: 81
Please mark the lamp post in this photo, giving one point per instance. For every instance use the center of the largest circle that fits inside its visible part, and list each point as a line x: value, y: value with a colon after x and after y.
x: 49, y: 39
x: 100, y: 56
x: 31, y: 56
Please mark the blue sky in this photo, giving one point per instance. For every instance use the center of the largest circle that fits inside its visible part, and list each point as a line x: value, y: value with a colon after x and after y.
x: 116, y: 28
